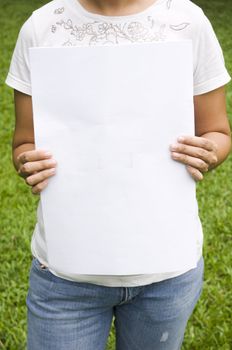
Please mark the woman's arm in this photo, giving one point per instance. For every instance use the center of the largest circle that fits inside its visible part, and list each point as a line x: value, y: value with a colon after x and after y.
x: 36, y: 166
x: 212, y: 143
x: 23, y: 139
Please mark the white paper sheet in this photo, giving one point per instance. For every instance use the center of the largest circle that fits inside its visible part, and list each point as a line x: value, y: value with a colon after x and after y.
x: 119, y: 204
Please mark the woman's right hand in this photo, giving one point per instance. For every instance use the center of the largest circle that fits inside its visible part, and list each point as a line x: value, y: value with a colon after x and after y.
x: 36, y: 167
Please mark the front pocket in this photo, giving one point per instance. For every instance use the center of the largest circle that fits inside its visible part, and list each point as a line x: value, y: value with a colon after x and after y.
x: 41, y: 281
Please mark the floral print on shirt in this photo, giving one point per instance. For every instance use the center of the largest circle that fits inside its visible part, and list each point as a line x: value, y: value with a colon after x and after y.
x: 106, y: 32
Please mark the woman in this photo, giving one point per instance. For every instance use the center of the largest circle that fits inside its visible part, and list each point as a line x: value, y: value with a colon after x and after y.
x: 150, y: 311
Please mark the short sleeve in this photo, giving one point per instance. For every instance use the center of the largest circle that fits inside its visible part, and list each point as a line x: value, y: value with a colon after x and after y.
x: 210, y: 71
x: 18, y: 76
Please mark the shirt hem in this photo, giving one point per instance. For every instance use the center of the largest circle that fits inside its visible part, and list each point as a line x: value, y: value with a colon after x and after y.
x: 18, y: 84
x: 144, y: 279
x: 212, y: 84
x: 128, y: 284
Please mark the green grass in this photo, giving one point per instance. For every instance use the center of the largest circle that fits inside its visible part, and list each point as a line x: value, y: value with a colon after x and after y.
x: 210, y: 325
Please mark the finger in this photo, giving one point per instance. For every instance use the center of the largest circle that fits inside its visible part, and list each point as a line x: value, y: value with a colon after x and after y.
x: 40, y: 177
x: 29, y: 168
x: 201, y: 153
x: 39, y: 187
x: 192, y: 161
x: 197, y: 141
x: 195, y: 173
x: 34, y: 155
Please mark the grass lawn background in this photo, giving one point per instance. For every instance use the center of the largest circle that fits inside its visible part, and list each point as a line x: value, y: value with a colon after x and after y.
x: 210, y: 325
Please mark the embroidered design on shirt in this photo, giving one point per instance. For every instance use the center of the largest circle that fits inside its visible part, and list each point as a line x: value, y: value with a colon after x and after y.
x: 53, y: 29
x: 180, y: 26
x: 169, y: 3
x: 59, y: 11
x: 113, y: 33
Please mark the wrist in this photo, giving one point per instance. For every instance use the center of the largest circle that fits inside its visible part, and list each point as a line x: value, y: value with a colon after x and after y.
x: 20, y: 149
x: 223, y: 142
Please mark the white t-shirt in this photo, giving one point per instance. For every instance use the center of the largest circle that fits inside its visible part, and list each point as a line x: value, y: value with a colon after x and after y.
x: 68, y: 23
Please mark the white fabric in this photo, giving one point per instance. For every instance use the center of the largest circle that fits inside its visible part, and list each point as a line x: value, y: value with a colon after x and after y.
x: 68, y: 23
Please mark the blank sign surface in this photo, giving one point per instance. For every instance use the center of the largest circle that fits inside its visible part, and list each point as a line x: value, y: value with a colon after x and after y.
x: 118, y: 204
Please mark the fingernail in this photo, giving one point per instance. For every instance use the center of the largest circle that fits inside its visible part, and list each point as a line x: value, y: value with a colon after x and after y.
x: 51, y: 161
x: 174, y: 147
x: 181, y: 138
x: 174, y: 155
x: 48, y: 154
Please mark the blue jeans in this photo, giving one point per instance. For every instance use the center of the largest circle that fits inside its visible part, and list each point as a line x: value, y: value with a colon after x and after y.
x: 68, y: 315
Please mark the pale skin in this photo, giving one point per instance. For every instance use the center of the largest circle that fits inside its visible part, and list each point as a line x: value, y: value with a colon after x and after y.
x: 200, y: 153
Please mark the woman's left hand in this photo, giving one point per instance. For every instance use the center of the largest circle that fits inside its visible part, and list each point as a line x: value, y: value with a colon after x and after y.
x: 197, y: 153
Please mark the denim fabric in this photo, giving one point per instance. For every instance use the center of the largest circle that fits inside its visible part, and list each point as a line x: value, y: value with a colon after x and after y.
x: 68, y: 315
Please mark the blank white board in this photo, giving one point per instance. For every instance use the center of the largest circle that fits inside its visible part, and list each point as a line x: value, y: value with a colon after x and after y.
x: 118, y: 204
